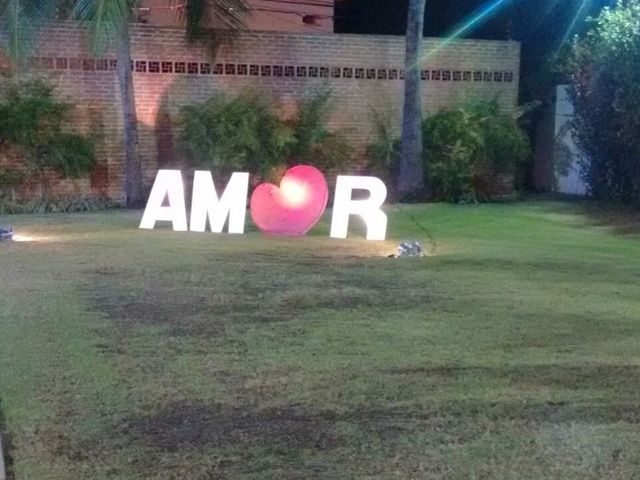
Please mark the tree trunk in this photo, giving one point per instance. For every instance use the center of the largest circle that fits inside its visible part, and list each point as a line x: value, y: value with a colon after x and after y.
x: 133, y: 164
x: 411, y: 177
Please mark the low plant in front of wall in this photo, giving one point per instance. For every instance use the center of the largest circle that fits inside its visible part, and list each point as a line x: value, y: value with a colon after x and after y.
x: 227, y: 133
x: 245, y: 132
x: 313, y: 142
x: 34, y: 130
x: 463, y: 150
x: 10, y: 177
x: 383, y: 153
x: 54, y: 204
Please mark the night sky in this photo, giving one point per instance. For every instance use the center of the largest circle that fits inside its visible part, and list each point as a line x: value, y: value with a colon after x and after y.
x: 541, y: 25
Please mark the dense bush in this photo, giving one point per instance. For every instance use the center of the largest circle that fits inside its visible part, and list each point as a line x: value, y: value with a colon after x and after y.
x: 313, y: 142
x: 464, y: 148
x: 605, y: 71
x: 234, y: 133
x: 384, y: 152
x: 245, y: 133
x: 56, y: 204
x: 10, y: 177
x: 33, y: 125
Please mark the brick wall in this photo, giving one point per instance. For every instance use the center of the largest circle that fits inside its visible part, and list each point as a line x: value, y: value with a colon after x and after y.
x: 363, y: 71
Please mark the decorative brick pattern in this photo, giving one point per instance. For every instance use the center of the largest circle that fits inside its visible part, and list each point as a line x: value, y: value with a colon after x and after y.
x: 364, y: 72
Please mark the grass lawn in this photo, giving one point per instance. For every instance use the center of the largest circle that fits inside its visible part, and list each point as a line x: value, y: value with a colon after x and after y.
x: 511, y: 352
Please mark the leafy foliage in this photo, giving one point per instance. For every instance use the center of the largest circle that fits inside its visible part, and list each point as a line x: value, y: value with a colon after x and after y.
x: 461, y: 147
x: 245, y: 132
x: 32, y: 124
x: 9, y: 205
x: 451, y: 174
x: 234, y: 133
x: 464, y: 145
x: 313, y: 142
x: 198, y: 15
x: 20, y: 20
x: 606, y: 95
x: 105, y: 19
x: 10, y: 177
x: 383, y: 152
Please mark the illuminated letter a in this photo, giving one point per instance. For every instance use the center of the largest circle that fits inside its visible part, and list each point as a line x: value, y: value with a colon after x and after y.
x: 168, y: 185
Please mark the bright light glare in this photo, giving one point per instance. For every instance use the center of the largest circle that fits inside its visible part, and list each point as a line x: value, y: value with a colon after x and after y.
x: 579, y: 14
x: 294, y: 193
x: 479, y: 17
x: 31, y: 238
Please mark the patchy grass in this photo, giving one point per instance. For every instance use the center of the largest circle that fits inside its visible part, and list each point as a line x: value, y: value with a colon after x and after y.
x: 510, y: 352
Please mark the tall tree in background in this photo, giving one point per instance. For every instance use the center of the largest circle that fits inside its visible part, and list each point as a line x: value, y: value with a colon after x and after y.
x: 411, y: 176
x: 109, y: 22
x: 19, y: 20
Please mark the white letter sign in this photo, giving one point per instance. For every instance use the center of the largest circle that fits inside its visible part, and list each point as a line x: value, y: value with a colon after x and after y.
x: 369, y: 209
x: 205, y: 203
x: 290, y: 209
x: 168, y: 185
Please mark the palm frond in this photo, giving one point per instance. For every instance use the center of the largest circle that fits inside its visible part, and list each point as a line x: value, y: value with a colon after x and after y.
x: 19, y: 22
x: 198, y: 15
x: 105, y: 19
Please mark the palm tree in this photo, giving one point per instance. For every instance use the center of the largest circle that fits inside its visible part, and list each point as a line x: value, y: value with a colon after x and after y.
x: 411, y: 176
x: 109, y: 22
x: 19, y: 20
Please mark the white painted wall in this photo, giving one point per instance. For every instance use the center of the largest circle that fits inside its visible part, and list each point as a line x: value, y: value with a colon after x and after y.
x: 567, y: 180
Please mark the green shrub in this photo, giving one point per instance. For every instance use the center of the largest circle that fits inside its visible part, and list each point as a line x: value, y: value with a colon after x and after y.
x: 33, y: 124
x: 10, y: 177
x: 234, y: 133
x: 313, y: 143
x: 464, y: 146
x: 451, y: 174
x: 55, y: 204
x: 503, y: 144
x: 605, y: 91
x: 384, y: 152
x: 461, y: 147
x: 245, y: 133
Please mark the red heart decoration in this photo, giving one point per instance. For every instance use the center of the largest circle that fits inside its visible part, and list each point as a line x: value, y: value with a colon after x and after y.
x: 294, y: 207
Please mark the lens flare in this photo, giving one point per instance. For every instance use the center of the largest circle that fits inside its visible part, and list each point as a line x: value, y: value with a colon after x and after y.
x: 579, y: 14
x: 472, y: 22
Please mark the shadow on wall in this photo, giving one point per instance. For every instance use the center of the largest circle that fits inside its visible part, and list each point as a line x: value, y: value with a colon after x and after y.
x: 158, y: 120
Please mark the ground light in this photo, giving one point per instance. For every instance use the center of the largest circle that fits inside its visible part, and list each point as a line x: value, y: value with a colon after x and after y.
x: 6, y: 233
x: 410, y: 249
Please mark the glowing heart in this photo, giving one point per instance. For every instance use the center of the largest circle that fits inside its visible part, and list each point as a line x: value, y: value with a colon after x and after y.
x: 294, y: 207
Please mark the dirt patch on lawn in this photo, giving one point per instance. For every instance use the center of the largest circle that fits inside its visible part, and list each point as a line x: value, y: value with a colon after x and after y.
x: 185, y: 426
x: 204, y: 302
